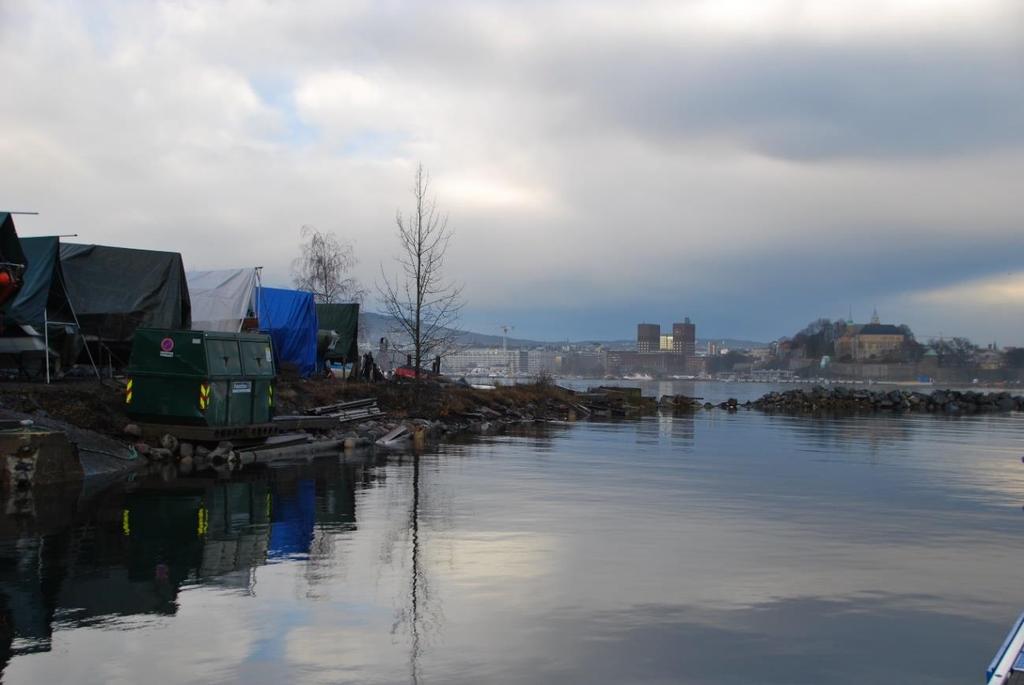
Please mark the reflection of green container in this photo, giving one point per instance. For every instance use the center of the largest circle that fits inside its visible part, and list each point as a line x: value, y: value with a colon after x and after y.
x: 202, y: 378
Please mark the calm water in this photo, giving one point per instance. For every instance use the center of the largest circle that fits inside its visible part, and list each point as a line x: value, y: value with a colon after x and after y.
x: 713, y: 549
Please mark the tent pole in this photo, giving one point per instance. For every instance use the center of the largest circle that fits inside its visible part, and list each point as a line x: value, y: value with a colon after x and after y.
x: 46, y: 343
x: 74, y: 315
x: 259, y: 288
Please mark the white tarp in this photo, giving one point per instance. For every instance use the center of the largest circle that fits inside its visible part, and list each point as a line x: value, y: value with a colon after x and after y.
x: 221, y: 299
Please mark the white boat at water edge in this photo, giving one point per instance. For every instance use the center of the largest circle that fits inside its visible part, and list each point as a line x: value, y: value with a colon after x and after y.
x: 638, y: 377
x: 1007, y: 668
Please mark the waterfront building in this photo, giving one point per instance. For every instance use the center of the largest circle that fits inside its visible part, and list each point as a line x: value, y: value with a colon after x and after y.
x: 584, y: 363
x: 543, y: 361
x: 486, y: 361
x: 697, y: 365
x: 684, y: 338
x: 666, y: 343
x: 648, y: 337
x: 619, y: 362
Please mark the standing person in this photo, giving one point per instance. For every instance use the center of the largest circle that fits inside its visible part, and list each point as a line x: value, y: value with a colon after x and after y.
x: 369, y: 366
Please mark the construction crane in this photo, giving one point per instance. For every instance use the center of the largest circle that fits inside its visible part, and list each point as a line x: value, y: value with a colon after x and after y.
x: 505, y: 329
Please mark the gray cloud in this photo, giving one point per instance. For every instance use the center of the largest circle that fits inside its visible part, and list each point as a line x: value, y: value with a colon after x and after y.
x: 812, y: 102
x: 600, y: 163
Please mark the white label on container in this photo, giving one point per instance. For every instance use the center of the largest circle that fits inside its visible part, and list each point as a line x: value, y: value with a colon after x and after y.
x: 197, y: 341
x: 166, y: 354
x: 268, y: 355
x: 241, y: 387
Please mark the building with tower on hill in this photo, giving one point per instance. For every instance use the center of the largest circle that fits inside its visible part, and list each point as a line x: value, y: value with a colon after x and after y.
x: 871, y: 341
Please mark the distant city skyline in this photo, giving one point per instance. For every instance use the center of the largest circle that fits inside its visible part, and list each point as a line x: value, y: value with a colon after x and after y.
x: 754, y: 164
x: 628, y: 330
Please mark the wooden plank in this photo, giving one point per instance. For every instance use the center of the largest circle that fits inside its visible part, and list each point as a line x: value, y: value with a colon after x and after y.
x: 344, y: 406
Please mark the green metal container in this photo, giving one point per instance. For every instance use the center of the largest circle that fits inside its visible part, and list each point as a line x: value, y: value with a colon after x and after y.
x: 201, y: 378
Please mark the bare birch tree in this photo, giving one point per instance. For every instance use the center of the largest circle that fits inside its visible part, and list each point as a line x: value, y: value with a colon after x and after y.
x: 420, y: 299
x: 325, y: 266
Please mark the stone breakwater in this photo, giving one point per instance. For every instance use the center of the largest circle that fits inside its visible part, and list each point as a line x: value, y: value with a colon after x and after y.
x: 839, y: 399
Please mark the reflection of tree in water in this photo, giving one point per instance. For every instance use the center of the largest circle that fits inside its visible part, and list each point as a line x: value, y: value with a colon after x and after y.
x: 419, y: 613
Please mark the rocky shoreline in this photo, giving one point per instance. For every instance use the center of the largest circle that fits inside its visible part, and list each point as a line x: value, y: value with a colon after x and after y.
x: 444, y: 412
x: 840, y: 399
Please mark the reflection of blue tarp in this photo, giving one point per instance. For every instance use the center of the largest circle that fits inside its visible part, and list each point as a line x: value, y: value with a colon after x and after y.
x: 289, y: 316
x: 291, y: 529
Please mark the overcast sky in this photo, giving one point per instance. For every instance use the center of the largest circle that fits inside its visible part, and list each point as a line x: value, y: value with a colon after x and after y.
x: 751, y: 164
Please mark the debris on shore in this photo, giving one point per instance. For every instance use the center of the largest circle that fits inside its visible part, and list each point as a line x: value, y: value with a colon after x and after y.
x: 342, y: 417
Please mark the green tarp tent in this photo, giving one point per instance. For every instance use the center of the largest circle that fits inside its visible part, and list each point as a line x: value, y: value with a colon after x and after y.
x: 10, y: 248
x: 42, y: 296
x: 40, y: 313
x: 343, y: 319
x: 115, y: 290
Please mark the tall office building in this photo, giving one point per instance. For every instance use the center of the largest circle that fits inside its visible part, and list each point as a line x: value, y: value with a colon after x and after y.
x: 684, y: 338
x: 648, y: 337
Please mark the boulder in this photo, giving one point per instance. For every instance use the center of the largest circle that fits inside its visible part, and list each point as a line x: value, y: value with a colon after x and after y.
x: 223, y: 448
x: 160, y: 454
x: 169, y: 442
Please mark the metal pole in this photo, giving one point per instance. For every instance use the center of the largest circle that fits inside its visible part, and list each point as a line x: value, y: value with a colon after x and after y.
x: 78, y: 324
x: 46, y: 343
x: 259, y: 294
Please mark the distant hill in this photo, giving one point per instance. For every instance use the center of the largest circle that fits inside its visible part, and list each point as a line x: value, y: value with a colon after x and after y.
x: 374, y: 326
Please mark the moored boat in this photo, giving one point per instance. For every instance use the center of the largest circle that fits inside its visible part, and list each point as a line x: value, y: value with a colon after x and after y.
x: 1007, y: 668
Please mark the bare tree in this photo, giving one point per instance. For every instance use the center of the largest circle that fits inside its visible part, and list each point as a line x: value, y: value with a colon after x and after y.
x: 424, y: 304
x: 324, y: 268
x: 954, y: 351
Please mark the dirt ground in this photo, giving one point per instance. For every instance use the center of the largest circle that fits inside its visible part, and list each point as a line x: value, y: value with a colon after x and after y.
x: 427, y: 399
x: 99, y: 406
x: 87, y: 404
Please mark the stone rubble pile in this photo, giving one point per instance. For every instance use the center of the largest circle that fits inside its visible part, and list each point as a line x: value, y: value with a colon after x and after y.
x: 842, y: 399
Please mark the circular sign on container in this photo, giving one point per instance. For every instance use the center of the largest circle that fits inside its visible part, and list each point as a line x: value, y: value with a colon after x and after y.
x: 167, y: 345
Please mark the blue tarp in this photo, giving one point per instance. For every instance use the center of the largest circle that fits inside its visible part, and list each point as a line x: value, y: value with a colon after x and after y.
x: 289, y: 316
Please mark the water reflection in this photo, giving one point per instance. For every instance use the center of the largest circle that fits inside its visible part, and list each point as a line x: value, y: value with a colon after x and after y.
x: 705, y: 548
x: 131, y: 550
